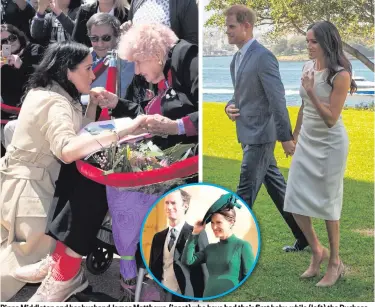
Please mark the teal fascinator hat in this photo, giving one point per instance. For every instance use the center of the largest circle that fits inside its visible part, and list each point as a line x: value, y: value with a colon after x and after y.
x: 226, y: 201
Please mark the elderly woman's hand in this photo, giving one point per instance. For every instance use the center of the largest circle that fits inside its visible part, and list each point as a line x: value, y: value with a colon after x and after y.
x: 158, y: 124
x: 103, y: 98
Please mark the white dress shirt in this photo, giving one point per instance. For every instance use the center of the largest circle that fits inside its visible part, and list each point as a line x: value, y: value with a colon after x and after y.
x: 241, y: 53
x: 178, y: 228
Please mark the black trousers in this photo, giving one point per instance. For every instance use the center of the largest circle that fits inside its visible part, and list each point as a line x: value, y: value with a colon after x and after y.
x: 78, y: 210
x: 259, y: 166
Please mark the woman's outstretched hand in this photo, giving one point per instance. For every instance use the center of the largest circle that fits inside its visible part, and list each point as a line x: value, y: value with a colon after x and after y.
x: 102, y: 98
x: 127, y: 126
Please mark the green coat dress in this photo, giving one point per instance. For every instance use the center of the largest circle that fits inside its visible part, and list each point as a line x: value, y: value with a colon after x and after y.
x: 227, y: 261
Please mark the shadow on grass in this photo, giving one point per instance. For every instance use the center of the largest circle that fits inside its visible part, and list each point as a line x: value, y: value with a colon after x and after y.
x: 276, y: 276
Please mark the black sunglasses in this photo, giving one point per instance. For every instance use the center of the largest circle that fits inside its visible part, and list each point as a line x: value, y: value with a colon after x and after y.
x: 10, y: 39
x: 104, y: 38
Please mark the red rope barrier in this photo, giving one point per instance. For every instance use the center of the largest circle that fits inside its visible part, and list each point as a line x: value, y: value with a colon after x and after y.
x: 176, y: 170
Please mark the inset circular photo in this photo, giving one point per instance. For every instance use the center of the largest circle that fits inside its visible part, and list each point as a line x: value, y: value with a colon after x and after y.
x: 200, y: 241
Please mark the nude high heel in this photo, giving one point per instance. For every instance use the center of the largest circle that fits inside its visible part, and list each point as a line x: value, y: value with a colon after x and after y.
x: 340, y: 273
x: 312, y: 273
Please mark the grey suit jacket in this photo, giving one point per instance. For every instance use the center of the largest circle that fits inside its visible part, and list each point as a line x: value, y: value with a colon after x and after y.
x: 259, y: 95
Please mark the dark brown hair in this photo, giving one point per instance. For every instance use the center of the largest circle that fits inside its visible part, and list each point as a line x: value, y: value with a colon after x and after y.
x: 328, y: 37
x: 185, y: 198
x: 20, y: 35
x: 242, y: 13
x: 229, y: 214
x: 57, y: 59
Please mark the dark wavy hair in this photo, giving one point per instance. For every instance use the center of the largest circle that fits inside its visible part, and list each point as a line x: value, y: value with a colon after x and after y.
x: 328, y: 37
x: 14, y: 30
x: 57, y: 59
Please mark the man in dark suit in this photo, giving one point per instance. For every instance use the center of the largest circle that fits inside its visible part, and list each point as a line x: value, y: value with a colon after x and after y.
x: 258, y: 108
x: 168, y: 245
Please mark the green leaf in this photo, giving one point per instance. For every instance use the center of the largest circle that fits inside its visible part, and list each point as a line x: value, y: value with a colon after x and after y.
x: 111, y: 171
x: 136, y: 169
x: 177, y: 152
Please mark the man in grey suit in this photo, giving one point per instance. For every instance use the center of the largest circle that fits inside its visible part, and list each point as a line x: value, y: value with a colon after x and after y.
x: 258, y: 108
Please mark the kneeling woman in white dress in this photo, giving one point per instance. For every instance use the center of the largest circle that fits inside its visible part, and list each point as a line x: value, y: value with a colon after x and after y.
x: 315, y: 183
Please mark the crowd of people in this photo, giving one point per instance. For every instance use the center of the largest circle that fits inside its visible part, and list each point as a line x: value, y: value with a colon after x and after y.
x: 60, y: 51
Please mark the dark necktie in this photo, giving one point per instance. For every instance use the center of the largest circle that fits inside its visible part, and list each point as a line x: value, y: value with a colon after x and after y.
x: 172, y: 238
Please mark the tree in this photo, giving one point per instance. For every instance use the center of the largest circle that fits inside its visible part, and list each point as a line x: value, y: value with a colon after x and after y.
x: 280, y: 47
x: 297, y: 42
x: 353, y: 18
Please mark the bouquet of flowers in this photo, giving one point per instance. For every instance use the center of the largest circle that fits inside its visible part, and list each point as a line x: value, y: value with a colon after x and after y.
x: 144, y: 158
x: 135, y: 161
x: 136, y: 173
x: 138, y: 157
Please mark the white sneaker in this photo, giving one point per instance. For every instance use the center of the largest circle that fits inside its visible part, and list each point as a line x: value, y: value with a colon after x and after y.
x: 59, y: 291
x: 34, y: 273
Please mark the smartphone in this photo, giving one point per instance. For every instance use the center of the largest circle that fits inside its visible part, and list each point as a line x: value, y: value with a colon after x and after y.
x: 6, y: 51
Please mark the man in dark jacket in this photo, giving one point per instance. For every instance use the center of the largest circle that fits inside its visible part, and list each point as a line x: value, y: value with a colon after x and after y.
x: 17, y: 13
x: 167, y: 247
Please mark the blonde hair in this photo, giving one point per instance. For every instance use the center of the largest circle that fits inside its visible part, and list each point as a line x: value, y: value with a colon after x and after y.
x: 242, y: 13
x: 146, y: 41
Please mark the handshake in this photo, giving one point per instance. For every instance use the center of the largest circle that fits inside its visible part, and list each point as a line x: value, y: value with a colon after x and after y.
x: 155, y: 124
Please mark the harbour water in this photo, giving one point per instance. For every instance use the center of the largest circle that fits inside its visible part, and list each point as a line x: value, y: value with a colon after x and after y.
x: 217, y: 83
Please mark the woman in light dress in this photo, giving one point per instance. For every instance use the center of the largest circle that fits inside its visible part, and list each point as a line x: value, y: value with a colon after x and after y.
x: 315, y: 183
x: 45, y: 137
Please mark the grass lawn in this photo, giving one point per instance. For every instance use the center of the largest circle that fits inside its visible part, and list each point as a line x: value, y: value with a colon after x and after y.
x: 276, y: 276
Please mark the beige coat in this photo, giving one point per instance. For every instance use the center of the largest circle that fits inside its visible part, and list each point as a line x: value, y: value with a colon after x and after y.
x: 48, y: 120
